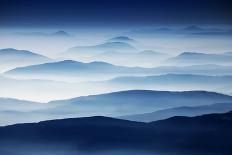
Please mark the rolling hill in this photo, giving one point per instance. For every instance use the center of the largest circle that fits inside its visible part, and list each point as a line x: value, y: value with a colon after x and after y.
x: 146, y: 58
x: 174, y: 82
x: 122, y: 39
x: 133, y: 102
x: 70, y: 69
x: 11, y: 58
x: 201, y: 58
x: 114, y: 104
x: 202, y: 135
x: 89, y: 51
x: 10, y: 104
x: 180, y: 111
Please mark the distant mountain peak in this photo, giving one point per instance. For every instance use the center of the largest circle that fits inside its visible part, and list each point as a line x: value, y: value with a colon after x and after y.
x: 193, y: 28
x: 191, y: 54
x: 93, y: 50
x: 68, y: 61
x: 115, y: 44
x: 151, y: 52
x: 13, y: 51
x: 61, y: 34
x: 78, y: 62
x: 100, y: 63
x: 122, y: 38
x: 8, y: 49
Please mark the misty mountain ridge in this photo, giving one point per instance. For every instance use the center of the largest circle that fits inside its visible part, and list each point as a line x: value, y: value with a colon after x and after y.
x: 173, y: 79
x: 201, y: 58
x: 105, y: 71
x: 113, y: 104
x: 211, y: 135
x: 11, y: 58
x: 173, y: 82
x: 108, y: 46
x: 57, y: 89
x: 10, y: 53
x: 11, y: 104
x: 133, y: 101
x: 106, y: 77
x: 57, y: 34
x: 151, y: 52
x: 85, y: 52
x: 146, y: 58
x: 61, y: 34
x: 191, y: 31
x: 189, y: 111
x: 122, y: 39
x: 28, y: 89
x: 65, y: 66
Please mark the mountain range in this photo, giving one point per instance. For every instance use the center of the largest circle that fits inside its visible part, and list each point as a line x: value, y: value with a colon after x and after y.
x: 71, y: 70
x: 11, y: 58
x: 114, y: 104
x: 122, y: 39
x: 173, y: 82
x: 81, y: 52
x: 10, y: 104
x: 173, y: 79
x: 203, y: 135
x: 201, y: 58
x: 146, y: 58
x: 29, y: 89
x: 57, y: 34
x: 79, y: 71
x: 180, y: 111
x: 134, y: 102
x: 190, y: 31
x: 149, y: 91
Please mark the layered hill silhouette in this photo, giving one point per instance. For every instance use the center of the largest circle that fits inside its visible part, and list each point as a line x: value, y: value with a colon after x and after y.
x: 66, y: 66
x: 69, y: 68
x: 122, y: 39
x: 115, y: 104
x: 206, y: 134
x: 180, y: 111
x: 11, y: 58
x: 28, y: 89
x: 189, y: 31
x: 173, y: 78
x: 146, y: 58
x: 59, y: 85
x: 10, y: 104
x: 174, y: 82
x: 201, y: 58
x: 89, y: 51
x: 57, y: 34
x: 133, y: 102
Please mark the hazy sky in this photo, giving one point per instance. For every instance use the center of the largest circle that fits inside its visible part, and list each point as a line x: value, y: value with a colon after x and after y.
x: 109, y: 18
x: 109, y: 13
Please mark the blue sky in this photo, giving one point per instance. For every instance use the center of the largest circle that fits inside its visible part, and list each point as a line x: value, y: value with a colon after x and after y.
x: 110, y: 13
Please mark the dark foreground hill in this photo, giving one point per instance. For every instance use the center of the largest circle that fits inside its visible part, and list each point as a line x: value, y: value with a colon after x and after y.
x: 208, y: 134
